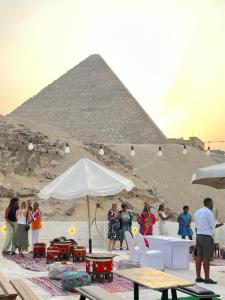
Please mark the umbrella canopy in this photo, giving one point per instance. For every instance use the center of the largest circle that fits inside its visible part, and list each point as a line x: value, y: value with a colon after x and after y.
x: 86, y: 178
x: 213, y: 176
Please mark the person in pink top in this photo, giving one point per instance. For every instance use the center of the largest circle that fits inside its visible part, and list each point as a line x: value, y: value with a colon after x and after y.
x: 146, y: 221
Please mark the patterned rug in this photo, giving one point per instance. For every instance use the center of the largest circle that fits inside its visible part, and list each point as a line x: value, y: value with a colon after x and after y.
x: 54, y: 287
x: 28, y: 262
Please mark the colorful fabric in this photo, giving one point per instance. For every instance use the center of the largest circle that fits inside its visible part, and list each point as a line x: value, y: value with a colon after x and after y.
x: 54, y: 287
x: 75, y: 279
x: 114, y: 226
x: 184, y: 228
x: 36, y: 220
x: 146, y: 222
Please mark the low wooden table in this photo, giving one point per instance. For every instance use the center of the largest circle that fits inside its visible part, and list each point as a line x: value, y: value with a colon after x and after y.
x: 155, y: 280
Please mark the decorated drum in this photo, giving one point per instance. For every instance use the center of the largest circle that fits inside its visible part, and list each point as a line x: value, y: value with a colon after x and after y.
x: 75, y: 279
x: 64, y: 248
x: 56, y: 269
x: 100, y: 266
x: 39, y: 250
x: 52, y: 254
x: 79, y: 254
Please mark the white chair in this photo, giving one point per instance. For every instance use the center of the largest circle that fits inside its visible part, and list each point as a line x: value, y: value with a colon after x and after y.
x: 135, y: 253
x: 149, y: 258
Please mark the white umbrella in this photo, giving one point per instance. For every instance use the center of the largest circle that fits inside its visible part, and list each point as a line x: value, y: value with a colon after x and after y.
x: 213, y: 176
x: 86, y: 178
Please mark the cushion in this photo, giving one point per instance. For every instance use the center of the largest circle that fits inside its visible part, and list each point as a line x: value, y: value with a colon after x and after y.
x: 198, y: 290
x: 73, y: 279
x: 56, y: 270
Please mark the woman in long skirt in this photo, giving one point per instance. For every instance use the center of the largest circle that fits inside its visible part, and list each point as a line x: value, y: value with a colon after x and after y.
x: 21, y: 235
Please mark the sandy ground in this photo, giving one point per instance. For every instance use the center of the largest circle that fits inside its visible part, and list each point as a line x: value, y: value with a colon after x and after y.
x: 12, y: 270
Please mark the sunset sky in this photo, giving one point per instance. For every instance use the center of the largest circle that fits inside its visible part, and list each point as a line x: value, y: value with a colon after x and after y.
x: 169, y: 53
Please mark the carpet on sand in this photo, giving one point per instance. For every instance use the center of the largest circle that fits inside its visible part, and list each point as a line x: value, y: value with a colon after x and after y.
x: 54, y: 287
x: 35, y: 264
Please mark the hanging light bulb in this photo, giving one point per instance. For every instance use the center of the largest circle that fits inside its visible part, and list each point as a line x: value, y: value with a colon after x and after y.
x: 132, y: 152
x: 208, y: 151
x: 67, y: 149
x: 101, y: 151
x: 30, y: 146
x: 185, y: 150
x: 160, y: 153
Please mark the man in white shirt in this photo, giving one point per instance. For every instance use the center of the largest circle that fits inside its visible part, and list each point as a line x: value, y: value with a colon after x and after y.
x: 205, y: 225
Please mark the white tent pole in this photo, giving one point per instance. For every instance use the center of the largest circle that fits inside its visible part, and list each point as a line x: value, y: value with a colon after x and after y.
x: 89, y: 224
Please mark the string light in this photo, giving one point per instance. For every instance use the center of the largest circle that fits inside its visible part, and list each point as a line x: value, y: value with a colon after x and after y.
x: 67, y: 149
x: 185, y: 150
x: 208, y: 151
x: 72, y: 230
x: 132, y: 152
x: 30, y: 146
x: 101, y: 151
x: 160, y: 153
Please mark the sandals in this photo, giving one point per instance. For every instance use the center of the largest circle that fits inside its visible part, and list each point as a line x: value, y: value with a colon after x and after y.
x: 210, y: 281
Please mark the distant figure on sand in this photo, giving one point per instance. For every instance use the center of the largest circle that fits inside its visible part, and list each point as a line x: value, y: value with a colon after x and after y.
x: 125, y: 223
x: 21, y: 235
x: 11, y: 222
x: 162, y: 220
x: 35, y: 224
x: 184, y: 219
x: 113, y: 227
x: 205, y: 225
x: 146, y: 221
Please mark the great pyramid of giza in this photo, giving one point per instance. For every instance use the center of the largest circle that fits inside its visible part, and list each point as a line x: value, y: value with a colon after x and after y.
x: 90, y: 103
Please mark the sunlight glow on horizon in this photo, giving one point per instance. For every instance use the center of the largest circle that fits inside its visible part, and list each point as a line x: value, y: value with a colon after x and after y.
x: 169, y: 54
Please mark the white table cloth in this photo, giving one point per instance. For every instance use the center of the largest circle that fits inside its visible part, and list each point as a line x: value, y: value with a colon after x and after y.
x: 175, y: 251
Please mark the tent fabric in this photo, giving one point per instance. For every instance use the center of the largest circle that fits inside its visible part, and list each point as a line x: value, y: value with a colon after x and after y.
x: 213, y: 176
x: 86, y: 177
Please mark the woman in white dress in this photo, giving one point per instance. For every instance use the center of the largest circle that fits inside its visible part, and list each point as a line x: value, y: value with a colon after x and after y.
x: 162, y: 220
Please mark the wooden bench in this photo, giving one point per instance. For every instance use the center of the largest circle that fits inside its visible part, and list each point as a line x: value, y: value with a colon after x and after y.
x: 7, y: 292
x: 23, y: 290
x: 194, y: 291
x: 95, y: 293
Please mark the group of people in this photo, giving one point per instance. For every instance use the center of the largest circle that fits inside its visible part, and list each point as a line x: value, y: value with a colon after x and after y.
x: 20, y: 217
x: 121, y: 221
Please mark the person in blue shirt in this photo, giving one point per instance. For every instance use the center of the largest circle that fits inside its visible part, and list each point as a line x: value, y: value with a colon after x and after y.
x: 184, y: 220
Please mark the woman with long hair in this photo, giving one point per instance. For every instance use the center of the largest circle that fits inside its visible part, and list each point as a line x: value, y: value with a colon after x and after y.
x: 11, y: 222
x: 146, y: 221
x: 35, y: 224
x: 21, y: 235
x: 162, y: 224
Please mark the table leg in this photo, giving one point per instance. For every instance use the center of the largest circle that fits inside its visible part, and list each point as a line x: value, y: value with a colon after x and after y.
x: 136, y: 291
x: 174, y: 294
x: 164, y: 295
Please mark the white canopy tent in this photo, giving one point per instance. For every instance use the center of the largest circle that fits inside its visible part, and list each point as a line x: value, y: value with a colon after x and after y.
x: 213, y: 176
x: 86, y: 178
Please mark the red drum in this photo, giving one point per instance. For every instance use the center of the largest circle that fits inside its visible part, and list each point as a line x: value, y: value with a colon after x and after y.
x: 39, y: 250
x: 64, y: 248
x: 79, y: 254
x: 100, y: 267
x: 53, y: 254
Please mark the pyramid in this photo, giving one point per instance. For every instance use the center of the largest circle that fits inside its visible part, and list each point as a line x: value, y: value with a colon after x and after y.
x: 90, y: 103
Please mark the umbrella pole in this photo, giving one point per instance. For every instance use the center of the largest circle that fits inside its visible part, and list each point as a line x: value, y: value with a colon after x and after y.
x: 89, y: 225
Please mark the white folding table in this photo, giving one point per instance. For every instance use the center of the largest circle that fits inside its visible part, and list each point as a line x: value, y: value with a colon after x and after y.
x: 176, y: 252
